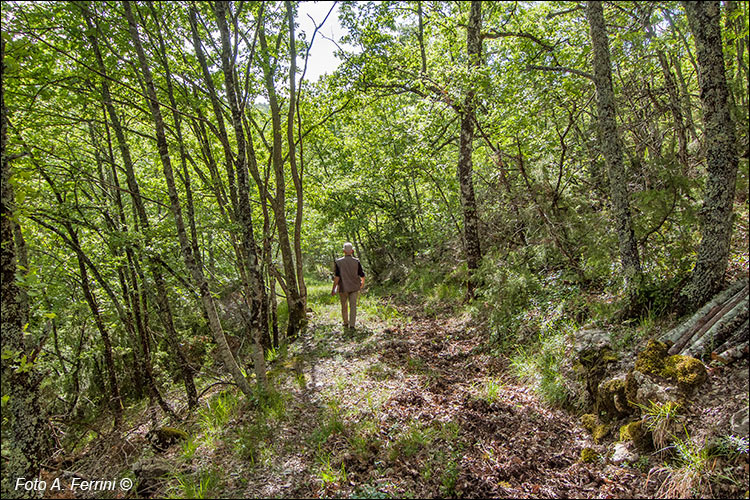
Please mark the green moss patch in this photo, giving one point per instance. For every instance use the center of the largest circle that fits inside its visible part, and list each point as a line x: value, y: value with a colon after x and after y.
x: 651, y: 359
x: 637, y: 433
x: 589, y: 421
x: 611, y: 398
x: 600, y: 432
x: 589, y: 455
x: 688, y: 371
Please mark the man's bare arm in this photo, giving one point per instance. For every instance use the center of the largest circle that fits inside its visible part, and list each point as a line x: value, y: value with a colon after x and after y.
x: 336, y: 280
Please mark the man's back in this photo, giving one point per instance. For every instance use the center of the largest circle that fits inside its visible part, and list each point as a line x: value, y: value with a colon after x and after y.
x: 349, y: 271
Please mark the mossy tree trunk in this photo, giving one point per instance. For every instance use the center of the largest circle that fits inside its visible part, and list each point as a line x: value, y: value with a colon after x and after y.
x: 611, y: 147
x: 25, y: 441
x: 721, y: 153
x: 466, y: 138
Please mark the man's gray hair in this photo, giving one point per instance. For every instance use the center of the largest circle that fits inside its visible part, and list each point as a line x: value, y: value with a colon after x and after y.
x: 348, y: 247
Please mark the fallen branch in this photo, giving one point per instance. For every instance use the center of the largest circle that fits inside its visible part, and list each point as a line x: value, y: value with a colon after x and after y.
x: 677, y: 332
x: 708, y: 321
x: 697, y: 347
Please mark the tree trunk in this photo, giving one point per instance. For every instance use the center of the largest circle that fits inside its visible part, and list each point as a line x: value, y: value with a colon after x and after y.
x: 297, y: 314
x: 162, y: 300
x: 465, y: 167
x: 721, y: 153
x: 187, y: 252
x: 25, y: 437
x: 296, y: 175
x: 253, y: 283
x: 612, y: 148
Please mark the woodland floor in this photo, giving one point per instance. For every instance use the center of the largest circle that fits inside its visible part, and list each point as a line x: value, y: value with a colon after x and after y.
x: 408, y: 408
x: 451, y: 423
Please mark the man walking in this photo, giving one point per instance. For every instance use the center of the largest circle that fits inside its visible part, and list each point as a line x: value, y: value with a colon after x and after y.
x: 349, y: 279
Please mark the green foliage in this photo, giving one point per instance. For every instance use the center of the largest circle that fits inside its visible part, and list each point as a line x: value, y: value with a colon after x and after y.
x: 659, y: 418
x: 218, y: 411
x: 540, y: 367
x: 732, y: 446
x: 331, y: 423
x: 448, y: 479
x: 189, y: 447
x: 250, y: 440
x: 411, y: 440
x: 201, y: 484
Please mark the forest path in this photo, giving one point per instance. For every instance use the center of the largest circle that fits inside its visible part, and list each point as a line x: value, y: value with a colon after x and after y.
x: 420, y: 410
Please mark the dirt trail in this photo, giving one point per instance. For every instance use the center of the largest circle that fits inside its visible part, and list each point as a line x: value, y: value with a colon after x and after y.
x: 418, y: 410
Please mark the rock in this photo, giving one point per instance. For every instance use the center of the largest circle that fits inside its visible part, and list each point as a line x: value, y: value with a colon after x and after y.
x: 589, y: 455
x: 591, y: 340
x: 687, y: 371
x: 622, y: 453
x: 597, y: 429
x: 642, y: 389
x: 611, y: 398
x: 164, y: 437
x: 148, y: 474
x: 740, y: 423
x: 592, y: 355
x: 589, y: 421
x: 651, y: 359
x: 638, y: 434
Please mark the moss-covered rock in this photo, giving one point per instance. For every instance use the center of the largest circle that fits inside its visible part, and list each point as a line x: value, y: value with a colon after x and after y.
x: 600, y: 432
x: 589, y: 421
x: 592, y: 364
x: 164, y: 437
x: 637, y: 433
x: 589, y: 455
x: 597, y: 429
x: 612, y: 399
x: 651, y: 359
x: 687, y: 371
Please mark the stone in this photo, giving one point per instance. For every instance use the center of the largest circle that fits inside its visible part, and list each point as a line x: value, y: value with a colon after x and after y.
x: 642, y: 389
x: 638, y: 434
x: 148, y: 474
x: 611, y: 398
x: 589, y: 455
x: 740, y: 423
x: 687, y: 371
x: 589, y: 421
x: 651, y: 359
x: 591, y: 340
x: 623, y: 453
x: 593, y: 354
x: 164, y: 437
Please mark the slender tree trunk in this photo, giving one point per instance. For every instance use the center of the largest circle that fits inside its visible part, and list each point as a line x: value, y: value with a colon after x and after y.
x: 162, y: 300
x: 612, y: 148
x: 253, y: 282
x: 296, y: 175
x: 721, y: 153
x: 187, y: 252
x: 297, y: 314
x: 115, y: 402
x: 465, y: 166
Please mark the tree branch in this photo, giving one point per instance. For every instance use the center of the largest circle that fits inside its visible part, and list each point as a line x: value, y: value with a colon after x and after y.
x: 564, y: 69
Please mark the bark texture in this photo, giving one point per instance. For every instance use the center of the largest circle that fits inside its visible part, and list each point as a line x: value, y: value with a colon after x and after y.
x: 721, y: 153
x: 253, y: 282
x: 611, y: 147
